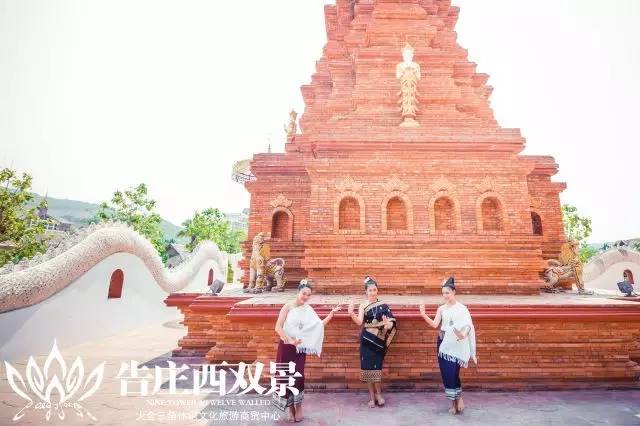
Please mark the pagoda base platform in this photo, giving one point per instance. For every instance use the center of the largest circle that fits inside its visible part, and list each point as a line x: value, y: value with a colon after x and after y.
x: 547, y: 341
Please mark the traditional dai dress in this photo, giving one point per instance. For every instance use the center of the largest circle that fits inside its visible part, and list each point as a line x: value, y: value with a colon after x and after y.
x: 454, y: 353
x: 375, y: 340
x: 303, y: 323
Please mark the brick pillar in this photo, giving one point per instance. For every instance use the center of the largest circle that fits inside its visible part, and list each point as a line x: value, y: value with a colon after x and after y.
x: 196, y: 343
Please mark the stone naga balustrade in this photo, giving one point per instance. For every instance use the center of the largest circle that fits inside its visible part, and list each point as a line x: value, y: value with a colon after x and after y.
x: 33, y: 280
x: 600, y: 263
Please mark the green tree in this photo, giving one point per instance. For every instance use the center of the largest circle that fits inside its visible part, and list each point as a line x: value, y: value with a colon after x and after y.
x: 135, y: 208
x: 20, y: 226
x: 211, y: 224
x: 238, y: 236
x: 587, y: 252
x: 578, y: 228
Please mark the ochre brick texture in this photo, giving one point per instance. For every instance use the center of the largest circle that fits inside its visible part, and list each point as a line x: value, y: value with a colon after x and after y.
x: 491, y: 215
x: 355, y: 194
x: 519, y: 347
x: 409, y: 205
x: 280, y: 226
x: 396, y: 215
x: 349, y: 213
x: 444, y: 215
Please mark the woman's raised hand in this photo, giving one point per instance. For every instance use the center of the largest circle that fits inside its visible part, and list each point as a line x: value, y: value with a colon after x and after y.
x: 338, y: 308
x: 386, y: 322
x: 350, y: 309
x: 423, y: 313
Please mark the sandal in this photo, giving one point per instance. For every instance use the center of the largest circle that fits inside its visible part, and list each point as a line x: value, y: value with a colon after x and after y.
x: 372, y: 404
x: 380, y: 401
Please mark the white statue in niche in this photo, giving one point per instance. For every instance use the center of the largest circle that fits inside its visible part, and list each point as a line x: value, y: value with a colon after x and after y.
x: 408, y: 72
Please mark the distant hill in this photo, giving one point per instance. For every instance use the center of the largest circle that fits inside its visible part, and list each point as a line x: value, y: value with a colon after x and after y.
x: 631, y: 243
x: 79, y: 212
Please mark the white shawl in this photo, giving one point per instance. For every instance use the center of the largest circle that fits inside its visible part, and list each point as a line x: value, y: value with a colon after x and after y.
x: 458, y: 317
x: 303, y: 323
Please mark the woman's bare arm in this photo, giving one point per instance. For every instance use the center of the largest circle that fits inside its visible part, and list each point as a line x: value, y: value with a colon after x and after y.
x: 329, y: 317
x: 358, y: 319
x: 435, y: 323
x: 282, y: 316
x: 438, y: 319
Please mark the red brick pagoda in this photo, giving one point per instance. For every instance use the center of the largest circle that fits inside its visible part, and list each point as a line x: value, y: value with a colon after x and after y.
x: 401, y: 172
x: 358, y: 194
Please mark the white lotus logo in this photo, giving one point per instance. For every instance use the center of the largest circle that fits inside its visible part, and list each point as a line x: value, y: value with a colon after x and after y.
x: 45, y: 388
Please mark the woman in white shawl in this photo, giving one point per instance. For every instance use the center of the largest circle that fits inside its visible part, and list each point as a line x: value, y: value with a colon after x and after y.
x: 301, y: 332
x: 456, y: 342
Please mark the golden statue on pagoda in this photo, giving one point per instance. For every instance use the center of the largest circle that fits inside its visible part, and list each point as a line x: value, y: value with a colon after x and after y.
x: 408, y: 72
x: 292, y: 128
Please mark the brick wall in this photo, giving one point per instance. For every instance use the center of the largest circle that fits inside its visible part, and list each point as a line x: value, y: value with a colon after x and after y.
x: 443, y: 211
x: 453, y: 196
x: 349, y: 214
x: 492, y: 215
x: 396, y: 215
x: 519, y: 346
x: 280, y: 226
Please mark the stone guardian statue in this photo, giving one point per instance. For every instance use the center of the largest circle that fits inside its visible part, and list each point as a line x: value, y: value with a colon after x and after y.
x: 568, y: 267
x: 265, y: 274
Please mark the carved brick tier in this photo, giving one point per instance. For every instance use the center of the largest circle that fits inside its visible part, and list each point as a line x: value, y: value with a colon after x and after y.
x: 195, y: 343
x: 205, y: 319
x: 361, y: 195
x: 520, y: 346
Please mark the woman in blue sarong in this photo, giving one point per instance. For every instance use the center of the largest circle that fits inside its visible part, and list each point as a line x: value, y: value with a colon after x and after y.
x: 378, y: 330
x: 456, y: 342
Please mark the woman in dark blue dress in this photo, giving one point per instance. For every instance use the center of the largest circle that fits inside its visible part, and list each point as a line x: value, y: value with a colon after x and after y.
x: 378, y: 330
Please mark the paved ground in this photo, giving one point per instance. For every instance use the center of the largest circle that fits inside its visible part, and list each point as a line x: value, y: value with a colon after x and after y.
x: 530, y: 408
x: 151, y: 345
